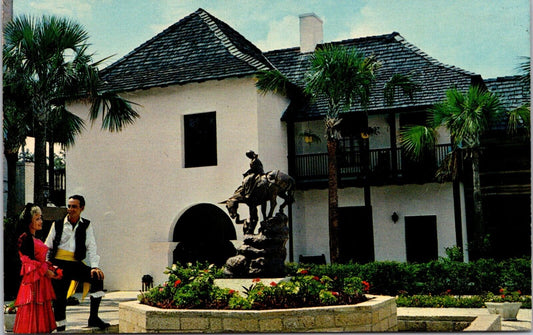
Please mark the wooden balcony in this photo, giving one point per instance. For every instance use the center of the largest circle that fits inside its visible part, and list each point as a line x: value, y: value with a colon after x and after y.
x: 386, y: 166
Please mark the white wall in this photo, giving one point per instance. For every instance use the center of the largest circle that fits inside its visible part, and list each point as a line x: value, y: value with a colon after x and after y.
x: 135, y: 182
x: 311, y: 217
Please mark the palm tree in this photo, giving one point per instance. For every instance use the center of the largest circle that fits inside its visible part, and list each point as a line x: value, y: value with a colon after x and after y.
x: 342, y: 77
x: 16, y: 121
x: 519, y: 117
x: 52, y: 55
x: 466, y: 116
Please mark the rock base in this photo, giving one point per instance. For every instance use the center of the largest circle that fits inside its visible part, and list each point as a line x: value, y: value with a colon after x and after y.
x: 261, y: 255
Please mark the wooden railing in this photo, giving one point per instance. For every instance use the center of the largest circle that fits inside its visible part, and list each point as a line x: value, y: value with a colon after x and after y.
x: 383, y: 164
x: 57, y: 195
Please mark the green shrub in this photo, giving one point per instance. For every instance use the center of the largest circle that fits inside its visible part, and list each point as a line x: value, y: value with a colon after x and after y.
x: 436, y: 277
x: 439, y: 301
x: 193, y: 287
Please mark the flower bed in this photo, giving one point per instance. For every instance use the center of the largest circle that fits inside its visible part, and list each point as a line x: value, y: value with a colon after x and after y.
x: 192, y: 287
x: 377, y: 314
x: 189, y: 301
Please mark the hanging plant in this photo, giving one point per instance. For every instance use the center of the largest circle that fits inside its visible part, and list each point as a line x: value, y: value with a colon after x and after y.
x: 309, y: 137
x: 365, y: 133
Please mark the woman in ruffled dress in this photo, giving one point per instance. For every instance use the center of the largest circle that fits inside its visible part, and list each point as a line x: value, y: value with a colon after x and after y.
x: 35, y: 295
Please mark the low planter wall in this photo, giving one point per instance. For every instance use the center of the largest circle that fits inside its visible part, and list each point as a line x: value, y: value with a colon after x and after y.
x: 449, y: 323
x: 375, y: 315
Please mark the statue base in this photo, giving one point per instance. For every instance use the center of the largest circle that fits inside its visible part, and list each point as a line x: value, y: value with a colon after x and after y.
x: 261, y: 255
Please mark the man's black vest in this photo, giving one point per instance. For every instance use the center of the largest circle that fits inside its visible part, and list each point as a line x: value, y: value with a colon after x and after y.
x: 80, y: 236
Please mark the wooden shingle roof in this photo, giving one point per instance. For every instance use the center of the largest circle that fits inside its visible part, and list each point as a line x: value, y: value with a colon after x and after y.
x: 200, y: 47
x: 197, y: 48
x: 396, y: 56
x: 513, y: 91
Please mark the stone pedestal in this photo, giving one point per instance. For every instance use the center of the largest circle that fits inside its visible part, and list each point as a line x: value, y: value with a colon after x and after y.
x: 261, y: 255
x: 507, y: 310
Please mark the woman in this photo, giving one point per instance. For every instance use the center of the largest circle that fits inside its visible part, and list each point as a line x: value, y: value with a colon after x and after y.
x: 35, y: 295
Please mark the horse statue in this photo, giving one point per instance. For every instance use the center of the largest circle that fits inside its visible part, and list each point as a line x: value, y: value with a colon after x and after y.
x: 267, y: 188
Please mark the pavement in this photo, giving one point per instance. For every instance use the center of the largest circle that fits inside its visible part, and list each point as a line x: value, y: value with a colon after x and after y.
x: 77, y: 315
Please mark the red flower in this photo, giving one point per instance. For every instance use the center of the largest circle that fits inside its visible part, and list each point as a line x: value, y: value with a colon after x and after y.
x: 519, y: 292
x: 231, y: 291
x: 503, y: 296
x: 273, y: 283
x: 304, y: 272
x: 316, y: 278
x: 256, y: 280
x: 502, y: 290
x: 177, y: 282
x: 336, y: 294
x: 366, y: 285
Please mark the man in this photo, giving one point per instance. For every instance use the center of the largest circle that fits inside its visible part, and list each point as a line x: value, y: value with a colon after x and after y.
x: 70, y: 241
x: 256, y: 169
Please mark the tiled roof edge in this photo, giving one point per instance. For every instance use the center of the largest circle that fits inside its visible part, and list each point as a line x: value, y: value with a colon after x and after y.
x: 230, y: 46
x: 432, y: 60
x: 504, y: 78
x: 125, y: 57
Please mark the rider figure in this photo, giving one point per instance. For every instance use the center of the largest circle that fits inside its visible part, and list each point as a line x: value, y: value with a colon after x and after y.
x: 256, y: 169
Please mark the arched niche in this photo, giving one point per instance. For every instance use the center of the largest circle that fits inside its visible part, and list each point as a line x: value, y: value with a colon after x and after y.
x: 204, y: 233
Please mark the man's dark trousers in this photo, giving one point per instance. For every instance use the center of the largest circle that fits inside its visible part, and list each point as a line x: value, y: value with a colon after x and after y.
x: 81, y: 273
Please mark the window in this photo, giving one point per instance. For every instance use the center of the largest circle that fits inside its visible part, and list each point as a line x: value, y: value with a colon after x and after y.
x: 200, y: 139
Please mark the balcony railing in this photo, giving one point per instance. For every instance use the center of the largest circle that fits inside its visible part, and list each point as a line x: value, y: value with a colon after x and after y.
x: 384, y: 165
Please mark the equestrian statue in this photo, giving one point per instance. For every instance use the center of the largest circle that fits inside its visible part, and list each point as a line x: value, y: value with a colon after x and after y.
x: 257, y: 189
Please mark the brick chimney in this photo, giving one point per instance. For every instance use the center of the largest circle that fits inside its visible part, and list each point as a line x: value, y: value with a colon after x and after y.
x: 311, y: 32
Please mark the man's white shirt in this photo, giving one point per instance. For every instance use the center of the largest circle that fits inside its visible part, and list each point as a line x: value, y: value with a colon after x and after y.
x: 68, y: 241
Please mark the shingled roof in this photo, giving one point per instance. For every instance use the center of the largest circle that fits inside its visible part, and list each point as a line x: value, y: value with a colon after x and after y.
x: 396, y: 56
x: 197, y: 48
x: 200, y: 47
x: 513, y: 92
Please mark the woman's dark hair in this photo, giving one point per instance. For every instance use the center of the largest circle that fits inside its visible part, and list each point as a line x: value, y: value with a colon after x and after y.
x: 25, y: 241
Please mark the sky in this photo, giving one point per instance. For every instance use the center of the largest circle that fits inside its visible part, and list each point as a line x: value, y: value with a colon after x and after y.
x: 488, y: 37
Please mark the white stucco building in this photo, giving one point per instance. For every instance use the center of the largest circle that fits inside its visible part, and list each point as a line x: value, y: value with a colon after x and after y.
x: 159, y: 182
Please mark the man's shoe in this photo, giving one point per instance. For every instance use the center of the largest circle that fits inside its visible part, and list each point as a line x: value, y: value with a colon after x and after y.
x: 61, y: 328
x: 97, y: 322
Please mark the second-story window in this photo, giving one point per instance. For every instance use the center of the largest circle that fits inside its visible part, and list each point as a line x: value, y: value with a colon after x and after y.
x: 200, y: 139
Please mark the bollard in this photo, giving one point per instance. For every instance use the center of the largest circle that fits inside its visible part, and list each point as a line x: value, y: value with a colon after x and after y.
x: 147, y: 283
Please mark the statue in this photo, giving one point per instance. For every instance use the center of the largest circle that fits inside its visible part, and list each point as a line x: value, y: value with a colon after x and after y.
x: 257, y: 189
x: 262, y: 254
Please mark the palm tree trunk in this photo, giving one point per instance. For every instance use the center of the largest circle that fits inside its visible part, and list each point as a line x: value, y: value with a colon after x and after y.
x: 51, y: 164
x: 11, y: 158
x: 40, y: 164
x: 478, y: 203
x: 333, y: 201
x: 365, y: 160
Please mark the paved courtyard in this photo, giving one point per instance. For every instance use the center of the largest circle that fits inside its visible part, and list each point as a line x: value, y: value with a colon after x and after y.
x: 77, y: 315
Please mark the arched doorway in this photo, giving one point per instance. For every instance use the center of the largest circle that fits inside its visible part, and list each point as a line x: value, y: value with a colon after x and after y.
x: 203, y: 233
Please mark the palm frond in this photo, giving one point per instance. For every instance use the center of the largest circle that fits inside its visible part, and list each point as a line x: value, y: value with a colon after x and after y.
x: 343, y: 76
x: 403, y: 82
x: 519, y: 117
x: 466, y: 115
x: 65, y: 126
x: 525, y: 69
x: 416, y: 139
x: 448, y: 170
x: 117, y: 112
x: 272, y: 81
